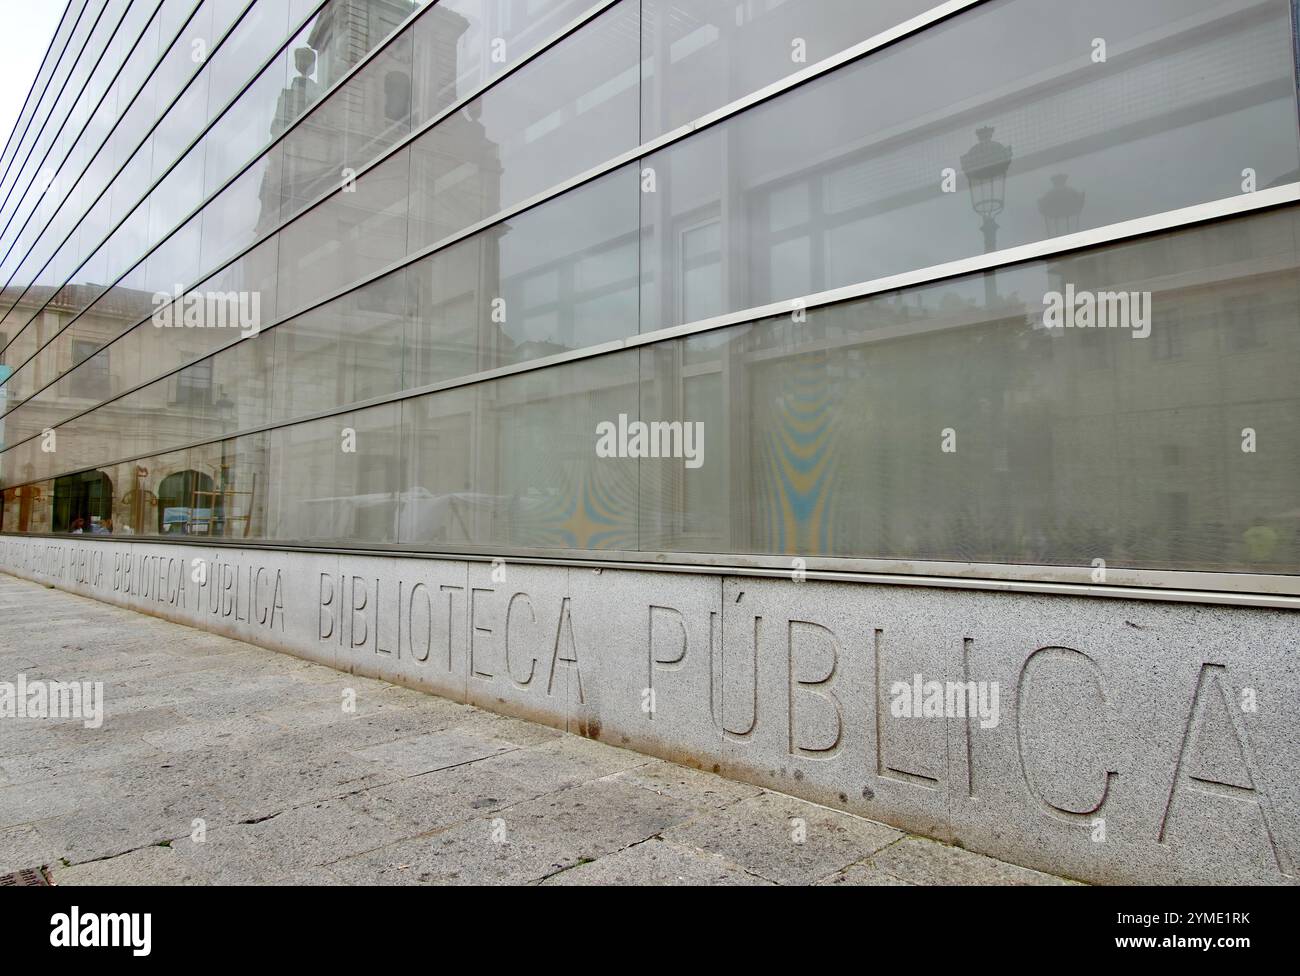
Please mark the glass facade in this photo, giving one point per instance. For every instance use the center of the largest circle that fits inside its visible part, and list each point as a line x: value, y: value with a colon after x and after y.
x: 1015, y: 284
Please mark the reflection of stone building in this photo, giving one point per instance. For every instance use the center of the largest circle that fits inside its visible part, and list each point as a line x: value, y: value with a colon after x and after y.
x: 103, y: 499
x: 380, y: 338
x: 222, y: 489
x: 1074, y: 444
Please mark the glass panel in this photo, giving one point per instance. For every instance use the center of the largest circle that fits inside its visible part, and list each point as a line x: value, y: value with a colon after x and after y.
x: 69, y: 71
x: 230, y: 482
x: 439, y: 503
x: 18, y: 138
x: 243, y: 211
x: 94, y: 69
x: 553, y: 119
x: 355, y: 125
x: 843, y: 179
x: 555, y: 278
x: 343, y: 352
x: 704, y: 54
x: 533, y: 478
x: 336, y: 480
x: 346, y: 238
x: 924, y: 425
x: 460, y: 45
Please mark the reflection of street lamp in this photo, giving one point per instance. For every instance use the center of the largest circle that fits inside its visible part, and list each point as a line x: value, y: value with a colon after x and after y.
x: 1061, y: 207
x: 985, y: 166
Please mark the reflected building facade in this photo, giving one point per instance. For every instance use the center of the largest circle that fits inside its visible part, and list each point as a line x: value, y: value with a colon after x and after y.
x: 476, y: 231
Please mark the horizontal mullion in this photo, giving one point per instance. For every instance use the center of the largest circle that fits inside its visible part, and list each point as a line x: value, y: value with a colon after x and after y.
x: 1156, y: 585
x: 45, y: 126
x: 45, y: 59
x: 47, y: 119
x: 45, y: 87
x: 89, y: 119
x: 122, y: 114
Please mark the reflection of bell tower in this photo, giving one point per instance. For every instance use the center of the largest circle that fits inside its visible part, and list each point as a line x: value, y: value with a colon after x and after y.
x: 363, y: 119
x: 458, y: 171
x: 303, y: 91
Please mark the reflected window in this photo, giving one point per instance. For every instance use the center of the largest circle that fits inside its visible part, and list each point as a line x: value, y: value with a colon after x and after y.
x: 194, y: 385
x: 701, y: 260
x: 185, y: 501
x: 93, y: 380
x: 397, y: 96
x: 83, y: 504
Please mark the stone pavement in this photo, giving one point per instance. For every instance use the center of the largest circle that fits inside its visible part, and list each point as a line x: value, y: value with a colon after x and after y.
x: 221, y: 762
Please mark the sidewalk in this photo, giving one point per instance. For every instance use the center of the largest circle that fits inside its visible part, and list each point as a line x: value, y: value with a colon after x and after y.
x: 220, y: 762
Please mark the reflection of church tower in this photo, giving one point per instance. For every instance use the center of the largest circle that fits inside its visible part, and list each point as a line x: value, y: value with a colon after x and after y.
x: 455, y: 176
x: 301, y: 94
x: 363, y: 118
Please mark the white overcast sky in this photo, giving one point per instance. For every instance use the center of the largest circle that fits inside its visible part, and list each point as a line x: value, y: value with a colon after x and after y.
x: 28, y: 26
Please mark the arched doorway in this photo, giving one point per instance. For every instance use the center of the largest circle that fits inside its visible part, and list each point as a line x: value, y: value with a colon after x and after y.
x: 83, y: 503
x: 178, y: 508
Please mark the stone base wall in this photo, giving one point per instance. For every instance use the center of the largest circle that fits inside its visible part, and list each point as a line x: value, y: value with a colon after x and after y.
x: 1103, y: 739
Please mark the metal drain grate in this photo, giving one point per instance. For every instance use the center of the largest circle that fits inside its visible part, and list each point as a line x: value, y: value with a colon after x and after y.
x: 26, y: 878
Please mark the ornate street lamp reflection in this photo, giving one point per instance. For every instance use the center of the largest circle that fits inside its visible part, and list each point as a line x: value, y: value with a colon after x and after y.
x: 1061, y: 207
x: 985, y: 166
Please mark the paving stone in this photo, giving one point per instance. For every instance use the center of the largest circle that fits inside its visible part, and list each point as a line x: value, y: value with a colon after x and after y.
x: 513, y: 730
x: 433, y: 750
x: 208, y: 734
x: 325, y: 703
x: 24, y: 847
x: 656, y: 862
x: 524, y: 843
x: 785, y: 840
x: 48, y: 797
x: 420, y: 804
x: 270, y: 784
x: 153, y: 865
x: 283, y: 845
x: 698, y: 788
x: 109, y: 827
x: 248, y: 700
x: 927, y: 862
x: 566, y: 761
x: 101, y: 753
x: 370, y: 723
x: 864, y: 875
